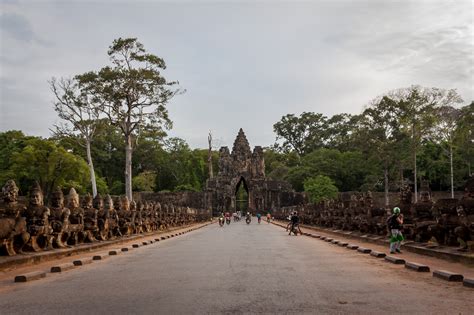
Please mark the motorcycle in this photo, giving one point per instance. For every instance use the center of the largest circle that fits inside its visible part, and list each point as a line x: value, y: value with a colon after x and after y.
x: 259, y: 220
x: 294, y: 229
x: 248, y: 220
x: 221, y: 222
x: 227, y: 220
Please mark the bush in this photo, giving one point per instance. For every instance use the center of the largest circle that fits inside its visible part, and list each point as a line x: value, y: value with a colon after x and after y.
x: 320, y: 188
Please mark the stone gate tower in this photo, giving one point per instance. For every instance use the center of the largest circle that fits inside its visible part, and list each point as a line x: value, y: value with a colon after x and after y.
x: 247, y: 168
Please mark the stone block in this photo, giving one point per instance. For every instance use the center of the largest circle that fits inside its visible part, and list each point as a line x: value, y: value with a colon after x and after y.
x: 62, y: 267
x: 343, y: 244
x: 468, y: 283
x: 323, y: 237
x: 145, y: 243
x: 328, y: 239
x: 417, y: 267
x: 335, y: 242
x: 135, y: 245
x: 124, y: 249
x: 30, y: 276
x: 99, y: 257
x: 114, y: 252
x: 377, y: 254
x: 364, y: 250
x: 448, y: 275
x: 395, y: 260
x: 351, y: 246
x: 82, y: 262
x: 157, y: 239
x: 315, y: 235
x: 163, y: 238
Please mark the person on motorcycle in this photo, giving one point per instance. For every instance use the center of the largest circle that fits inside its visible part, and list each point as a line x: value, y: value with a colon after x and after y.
x: 248, y: 218
x: 295, y: 223
x: 259, y: 217
x: 221, y: 219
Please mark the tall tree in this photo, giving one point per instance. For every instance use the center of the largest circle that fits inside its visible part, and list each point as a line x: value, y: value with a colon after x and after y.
x: 381, y: 125
x: 133, y: 93
x: 301, y: 134
x: 444, y: 131
x: 418, y: 105
x: 81, y: 113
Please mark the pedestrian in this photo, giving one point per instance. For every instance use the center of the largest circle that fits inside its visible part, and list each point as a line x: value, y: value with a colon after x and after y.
x: 395, y: 225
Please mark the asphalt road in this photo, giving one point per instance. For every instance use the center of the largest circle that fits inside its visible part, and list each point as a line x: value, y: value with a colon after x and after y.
x: 239, y: 269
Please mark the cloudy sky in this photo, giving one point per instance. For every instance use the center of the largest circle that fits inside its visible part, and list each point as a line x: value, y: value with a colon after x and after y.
x: 243, y: 64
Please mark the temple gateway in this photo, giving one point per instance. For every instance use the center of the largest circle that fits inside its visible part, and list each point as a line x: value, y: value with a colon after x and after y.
x: 242, y: 173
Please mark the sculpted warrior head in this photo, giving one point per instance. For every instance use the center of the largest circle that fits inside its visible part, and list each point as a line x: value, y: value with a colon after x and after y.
x: 133, y: 206
x: 87, y: 201
x: 57, y: 198
x: 98, y: 202
x: 124, y: 203
x: 36, y: 195
x: 73, y: 199
x: 10, y: 191
x: 108, y: 203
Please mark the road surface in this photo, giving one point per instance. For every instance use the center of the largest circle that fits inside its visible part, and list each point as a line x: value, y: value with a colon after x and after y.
x: 239, y: 269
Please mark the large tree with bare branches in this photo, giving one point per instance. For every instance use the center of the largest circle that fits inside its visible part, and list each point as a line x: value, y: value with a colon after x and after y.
x: 81, y: 116
x: 133, y: 94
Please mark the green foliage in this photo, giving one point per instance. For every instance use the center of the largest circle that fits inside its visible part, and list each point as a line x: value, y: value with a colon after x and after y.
x: 144, y: 181
x: 320, y: 188
x: 47, y: 163
x: 185, y: 187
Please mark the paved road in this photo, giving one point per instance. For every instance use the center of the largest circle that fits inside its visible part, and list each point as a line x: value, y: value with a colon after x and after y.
x: 239, y: 269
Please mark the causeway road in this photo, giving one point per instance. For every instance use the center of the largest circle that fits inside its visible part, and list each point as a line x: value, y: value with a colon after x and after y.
x: 238, y: 269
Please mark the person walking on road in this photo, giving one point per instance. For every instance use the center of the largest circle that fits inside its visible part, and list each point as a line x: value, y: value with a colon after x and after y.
x: 395, y: 224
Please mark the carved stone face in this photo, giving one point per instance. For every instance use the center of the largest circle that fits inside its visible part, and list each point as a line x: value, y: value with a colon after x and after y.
x: 98, y: 202
x: 108, y: 203
x: 36, y: 198
x: 124, y: 204
x: 424, y: 196
x: 87, y: 202
x: 73, y: 201
x: 460, y: 211
x: 10, y: 191
x: 57, y: 200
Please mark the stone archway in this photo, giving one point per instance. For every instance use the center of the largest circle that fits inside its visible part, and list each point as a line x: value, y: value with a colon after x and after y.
x: 241, y: 195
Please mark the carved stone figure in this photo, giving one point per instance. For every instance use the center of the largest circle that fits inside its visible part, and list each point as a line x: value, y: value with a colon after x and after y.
x: 88, y: 218
x: 58, y: 220
x: 13, y: 233
x: 77, y: 229
x: 113, y: 219
x: 37, y: 220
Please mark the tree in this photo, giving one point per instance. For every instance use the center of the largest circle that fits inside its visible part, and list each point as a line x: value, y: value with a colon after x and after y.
x: 50, y: 165
x: 380, y: 124
x: 464, y: 136
x: 320, y: 188
x: 444, y: 132
x: 417, y: 106
x: 302, y: 134
x: 81, y: 113
x: 133, y: 94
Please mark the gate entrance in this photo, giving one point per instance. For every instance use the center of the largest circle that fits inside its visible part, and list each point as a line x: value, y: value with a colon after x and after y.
x: 242, y: 196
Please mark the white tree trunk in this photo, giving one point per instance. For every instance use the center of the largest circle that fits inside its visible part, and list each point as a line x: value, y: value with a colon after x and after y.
x: 415, y: 175
x: 387, y: 201
x: 91, y: 168
x: 128, y: 167
x: 452, y: 173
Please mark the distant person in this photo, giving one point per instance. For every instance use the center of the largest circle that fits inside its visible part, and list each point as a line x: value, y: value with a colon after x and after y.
x: 295, y: 223
x: 269, y: 217
x: 395, y: 225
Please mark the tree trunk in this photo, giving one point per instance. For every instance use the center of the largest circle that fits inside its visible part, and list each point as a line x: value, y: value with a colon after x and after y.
x: 385, y: 173
x: 451, y: 166
x: 414, y: 163
x: 128, y: 166
x: 415, y: 179
x: 91, y: 168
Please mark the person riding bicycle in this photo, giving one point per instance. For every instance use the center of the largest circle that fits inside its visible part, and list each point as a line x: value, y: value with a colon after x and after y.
x: 259, y: 217
x: 269, y: 217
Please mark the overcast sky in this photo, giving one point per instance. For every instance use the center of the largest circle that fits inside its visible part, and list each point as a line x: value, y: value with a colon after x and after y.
x: 243, y: 64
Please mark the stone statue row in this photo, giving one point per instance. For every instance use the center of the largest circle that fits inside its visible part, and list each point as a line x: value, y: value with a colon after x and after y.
x: 35, y: 227
x: 444, y: 222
